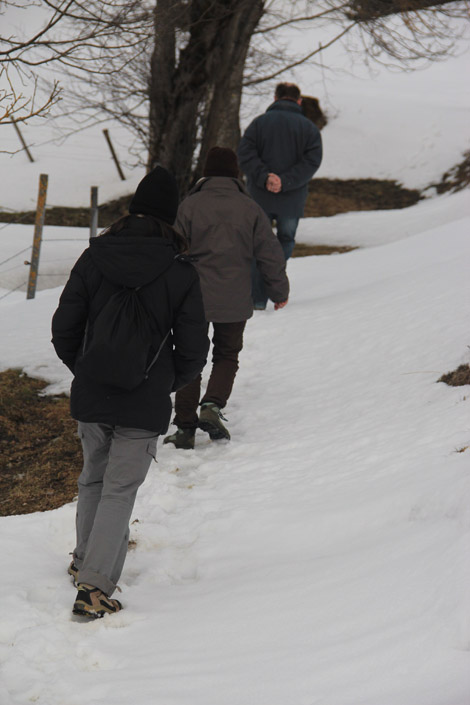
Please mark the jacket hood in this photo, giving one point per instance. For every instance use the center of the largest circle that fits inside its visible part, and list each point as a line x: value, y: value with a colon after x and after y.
x: 218, y: 182
x: 131, y: 260
x: 288, y: 105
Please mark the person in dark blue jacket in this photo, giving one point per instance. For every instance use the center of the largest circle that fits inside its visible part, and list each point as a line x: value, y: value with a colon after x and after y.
x: 279, y: 153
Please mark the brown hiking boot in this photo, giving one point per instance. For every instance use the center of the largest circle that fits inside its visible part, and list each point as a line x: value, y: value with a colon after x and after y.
x: 182, y: 439
x: 91, y: 602
x: 210, y: 421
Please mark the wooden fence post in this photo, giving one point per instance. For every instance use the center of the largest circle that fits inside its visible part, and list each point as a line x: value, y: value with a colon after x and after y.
x: 113, y: 154
x: 94, y: 211
x: 25, y: 146
x: 40, y: 214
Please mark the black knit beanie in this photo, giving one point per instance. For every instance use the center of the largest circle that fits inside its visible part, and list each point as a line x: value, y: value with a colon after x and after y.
x: 157, y: 195
x: 221, y: 161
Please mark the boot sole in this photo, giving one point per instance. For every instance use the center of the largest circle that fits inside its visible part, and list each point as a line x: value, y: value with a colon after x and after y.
x: 86, y: 614
x: 178, y: 446
x: 215, y: 432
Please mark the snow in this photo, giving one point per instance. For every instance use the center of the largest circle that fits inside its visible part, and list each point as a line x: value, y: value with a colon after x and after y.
x: 398, y: 125
x: 320, y: 557
x: 322, y: 554
x: 409, y: 126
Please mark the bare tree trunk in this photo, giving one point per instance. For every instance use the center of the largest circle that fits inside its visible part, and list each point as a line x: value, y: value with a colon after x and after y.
x: 222, y: 126
x: 202, y: 85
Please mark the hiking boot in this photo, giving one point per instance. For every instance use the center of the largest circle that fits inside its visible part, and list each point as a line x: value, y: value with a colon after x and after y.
x: 183, y: 438
x: 91, y: 602
x: 73, y: 571
x: 210, y: 421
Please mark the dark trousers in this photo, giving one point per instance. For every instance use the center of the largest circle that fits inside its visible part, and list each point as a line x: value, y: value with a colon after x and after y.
x: 227, y: 341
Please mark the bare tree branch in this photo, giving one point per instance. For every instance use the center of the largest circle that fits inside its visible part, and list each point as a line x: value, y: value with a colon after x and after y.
x: 173, y: 71
x: 301, y: 60
x: 17, y: 107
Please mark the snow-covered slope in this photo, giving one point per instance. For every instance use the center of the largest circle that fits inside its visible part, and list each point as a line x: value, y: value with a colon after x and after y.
x: 319, y: 557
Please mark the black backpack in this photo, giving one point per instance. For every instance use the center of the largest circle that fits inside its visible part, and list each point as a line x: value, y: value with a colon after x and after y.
x: 118, y: 352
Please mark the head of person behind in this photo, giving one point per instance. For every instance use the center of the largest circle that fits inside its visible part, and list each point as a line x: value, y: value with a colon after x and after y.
x: 152, y: 210
x: 288, y: 91
x: 221, y: 161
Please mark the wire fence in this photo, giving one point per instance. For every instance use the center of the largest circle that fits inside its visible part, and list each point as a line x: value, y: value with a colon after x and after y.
x: 46, y: 263
x: 15, y: 255
x: 34, y: 249
x: 16, y: 221
x: 12, y: 290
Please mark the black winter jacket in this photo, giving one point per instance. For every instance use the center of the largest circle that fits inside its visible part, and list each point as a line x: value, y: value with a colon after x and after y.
x: 282, y: 141
x: 173, y: 298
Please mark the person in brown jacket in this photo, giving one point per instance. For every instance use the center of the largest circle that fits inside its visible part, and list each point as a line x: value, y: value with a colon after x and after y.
x: 226, y: 229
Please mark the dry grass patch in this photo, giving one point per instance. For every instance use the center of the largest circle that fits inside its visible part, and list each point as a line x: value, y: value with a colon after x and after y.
x: 457, y: 378
x: 40, y: 454
x: 72, y: 217
x: 328, y: 197
x: 457, y: 178
x: 301, y: 250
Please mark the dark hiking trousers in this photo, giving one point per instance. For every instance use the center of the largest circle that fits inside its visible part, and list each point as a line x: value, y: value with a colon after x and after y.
x: 227, y: 341
x: 116, y: 460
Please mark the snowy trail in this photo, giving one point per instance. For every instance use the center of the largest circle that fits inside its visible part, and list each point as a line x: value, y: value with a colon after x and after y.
x: 319, y: 557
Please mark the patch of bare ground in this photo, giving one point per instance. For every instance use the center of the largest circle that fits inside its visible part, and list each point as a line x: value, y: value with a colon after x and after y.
x: 40, y: 454
x: 457, y: 178
x: 457, y: 378
x: 72, y: 217
x: 327, y: 197
x: 301, y: 250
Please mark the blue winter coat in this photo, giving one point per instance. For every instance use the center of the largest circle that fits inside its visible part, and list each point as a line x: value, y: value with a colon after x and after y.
x: 282, y: 141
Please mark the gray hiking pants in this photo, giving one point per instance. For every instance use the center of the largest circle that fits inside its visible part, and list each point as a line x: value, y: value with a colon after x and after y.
x: 116, y: 460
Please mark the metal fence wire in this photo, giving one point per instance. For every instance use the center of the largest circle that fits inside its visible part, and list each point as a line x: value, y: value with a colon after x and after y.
x: 35, y: 247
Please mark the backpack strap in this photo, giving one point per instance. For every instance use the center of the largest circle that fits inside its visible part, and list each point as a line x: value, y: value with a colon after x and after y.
x: 156, y: 356
x: 180, y: 258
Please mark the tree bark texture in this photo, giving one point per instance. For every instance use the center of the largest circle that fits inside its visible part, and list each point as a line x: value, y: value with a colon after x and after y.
x: 196, y: 80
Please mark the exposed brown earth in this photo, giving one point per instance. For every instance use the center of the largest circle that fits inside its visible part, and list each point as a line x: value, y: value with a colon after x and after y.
x: 326, y: 197
x: 458, y: 377
x: 40, y: 454
x: 301, y: 250
x: 456, y: 178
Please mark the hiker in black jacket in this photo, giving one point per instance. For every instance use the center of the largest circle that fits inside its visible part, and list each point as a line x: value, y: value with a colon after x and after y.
x: 118, y: 426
